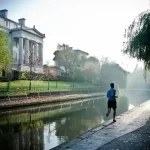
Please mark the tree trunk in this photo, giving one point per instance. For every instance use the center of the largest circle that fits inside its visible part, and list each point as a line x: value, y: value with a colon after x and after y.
x: 30, y: 85
x: 8, y: 86
x: 48, y: 84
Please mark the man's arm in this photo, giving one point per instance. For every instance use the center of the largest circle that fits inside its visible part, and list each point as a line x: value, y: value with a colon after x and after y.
x: 115, y: 94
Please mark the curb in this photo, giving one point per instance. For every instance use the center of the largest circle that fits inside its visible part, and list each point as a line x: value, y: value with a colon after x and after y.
x: 57, y: 100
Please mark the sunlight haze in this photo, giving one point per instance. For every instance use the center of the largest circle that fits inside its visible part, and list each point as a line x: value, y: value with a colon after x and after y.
x: 94, y: 26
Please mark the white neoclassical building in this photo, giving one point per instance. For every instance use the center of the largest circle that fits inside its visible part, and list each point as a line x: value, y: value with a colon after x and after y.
x: 26, y: 44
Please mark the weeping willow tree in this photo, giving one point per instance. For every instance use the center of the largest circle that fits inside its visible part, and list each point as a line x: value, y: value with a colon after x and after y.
x: 137, y: 43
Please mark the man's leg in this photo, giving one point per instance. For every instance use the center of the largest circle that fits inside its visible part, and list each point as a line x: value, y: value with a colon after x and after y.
x: 109, y: 110
x: 114, y: 114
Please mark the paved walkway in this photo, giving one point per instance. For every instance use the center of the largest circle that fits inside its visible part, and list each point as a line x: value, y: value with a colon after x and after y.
x: 136, y: 140
x: 114, y: 136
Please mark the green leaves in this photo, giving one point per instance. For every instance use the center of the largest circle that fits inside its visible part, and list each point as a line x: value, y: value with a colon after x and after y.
x: 137, y: 44
x: 112, y: 72
x: 64, y: 57
x: 5, y: 57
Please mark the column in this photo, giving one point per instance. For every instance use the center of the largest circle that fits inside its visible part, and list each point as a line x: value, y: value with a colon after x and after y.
x: 26, y: 55
x: 20, y: 51
x: 30, y: 57
x: 31, y: 52
x: 10, y: 39
x: 41, y: 54
x: 35, y: 53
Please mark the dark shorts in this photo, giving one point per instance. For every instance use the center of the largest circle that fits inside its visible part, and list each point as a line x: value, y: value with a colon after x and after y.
x: 112, y: 104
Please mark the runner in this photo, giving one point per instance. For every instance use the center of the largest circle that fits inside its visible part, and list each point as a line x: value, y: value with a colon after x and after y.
x: 111, y: 95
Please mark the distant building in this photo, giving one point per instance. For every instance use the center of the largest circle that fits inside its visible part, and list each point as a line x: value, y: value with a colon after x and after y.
x: 81, y: 53
x: 26, y: 44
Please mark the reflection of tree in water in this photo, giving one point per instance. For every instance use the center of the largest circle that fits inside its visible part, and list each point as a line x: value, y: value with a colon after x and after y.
x: 71, y: 125
x: 23, y: 136
x: 79, y: 121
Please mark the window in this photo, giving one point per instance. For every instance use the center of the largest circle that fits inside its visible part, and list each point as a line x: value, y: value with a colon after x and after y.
x: 6, y: 23
x: 15, y: 57
x: 24, y: 43
x: 16, y: 42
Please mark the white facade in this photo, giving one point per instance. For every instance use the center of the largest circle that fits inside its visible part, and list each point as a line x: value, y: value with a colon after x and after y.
x: 26, y: 44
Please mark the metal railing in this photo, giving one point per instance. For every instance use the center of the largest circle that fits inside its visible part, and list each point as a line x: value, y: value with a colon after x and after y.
x: 45, y: 92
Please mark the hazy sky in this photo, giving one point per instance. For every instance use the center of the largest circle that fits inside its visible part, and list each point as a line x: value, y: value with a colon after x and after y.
x: 95, y: 26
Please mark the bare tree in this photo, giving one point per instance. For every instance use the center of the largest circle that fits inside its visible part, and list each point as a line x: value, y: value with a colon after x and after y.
x: 50, y: 73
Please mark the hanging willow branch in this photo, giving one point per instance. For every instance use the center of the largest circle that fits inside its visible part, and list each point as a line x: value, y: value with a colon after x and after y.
x: 137, y: 44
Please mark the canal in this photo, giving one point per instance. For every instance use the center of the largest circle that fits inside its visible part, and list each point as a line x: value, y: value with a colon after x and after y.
x: 44, y: 127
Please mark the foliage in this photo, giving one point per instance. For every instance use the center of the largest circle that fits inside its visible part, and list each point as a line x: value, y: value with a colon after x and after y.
x: 112, y: 72
x: 77, y: 66
x: 28, y: 75
x: 79, y: 75
x: 136, y: 80
x: 23, y: 76
x: 91, y: 69
x: 64, y: 56
x: 50, y: 73
x: 5, y: 56
x: 137, y: 44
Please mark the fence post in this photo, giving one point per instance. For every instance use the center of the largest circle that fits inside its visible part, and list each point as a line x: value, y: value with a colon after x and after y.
x: 49, y: 93
x: 8, y: 96
x: 26, y: 94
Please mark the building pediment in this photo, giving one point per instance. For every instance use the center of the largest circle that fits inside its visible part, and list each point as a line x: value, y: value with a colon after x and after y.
x: 33, y: 31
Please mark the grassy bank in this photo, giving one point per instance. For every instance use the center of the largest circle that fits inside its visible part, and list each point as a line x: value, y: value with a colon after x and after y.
x: 42, y: 86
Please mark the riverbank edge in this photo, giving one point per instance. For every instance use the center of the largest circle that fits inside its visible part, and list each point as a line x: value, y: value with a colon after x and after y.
x: 45, y: 100
x: 107, y: 127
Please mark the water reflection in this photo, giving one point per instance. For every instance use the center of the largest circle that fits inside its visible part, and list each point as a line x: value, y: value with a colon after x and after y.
x: 44, y: 128
x: 24, y: 136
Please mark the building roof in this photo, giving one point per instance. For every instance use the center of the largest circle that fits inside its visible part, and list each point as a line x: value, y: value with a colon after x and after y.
x: 30, y: 30
x: 25, y: 28
x: 10, y: 20
x: 80, y: 51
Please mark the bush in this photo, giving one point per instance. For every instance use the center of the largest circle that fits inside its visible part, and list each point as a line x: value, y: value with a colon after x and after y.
x: 23, y: 76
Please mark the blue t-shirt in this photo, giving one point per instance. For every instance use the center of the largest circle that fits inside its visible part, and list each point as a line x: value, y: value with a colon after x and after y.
x: 111, y: 94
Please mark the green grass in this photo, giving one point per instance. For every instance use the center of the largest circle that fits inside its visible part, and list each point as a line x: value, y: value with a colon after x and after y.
x: 42, y: 86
